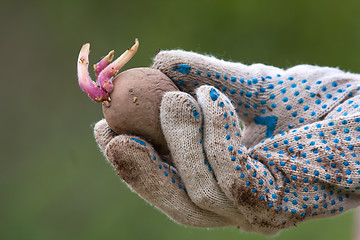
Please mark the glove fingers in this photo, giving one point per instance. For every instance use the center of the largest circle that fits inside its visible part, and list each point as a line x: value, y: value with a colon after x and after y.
x: 157, y: 182
x: 190, y: 70
x: 243, y: 179
x: 181, y: 121
x: 243, y: 84
x: 103, y: 134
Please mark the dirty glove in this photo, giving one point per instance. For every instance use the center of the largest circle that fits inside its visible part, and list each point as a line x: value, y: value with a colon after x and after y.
x: 305, y: 168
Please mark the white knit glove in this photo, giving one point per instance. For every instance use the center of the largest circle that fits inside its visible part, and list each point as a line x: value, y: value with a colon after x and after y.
x: 299, y: 157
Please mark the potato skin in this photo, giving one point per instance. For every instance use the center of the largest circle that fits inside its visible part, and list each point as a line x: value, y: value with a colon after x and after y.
x: 135, y: 105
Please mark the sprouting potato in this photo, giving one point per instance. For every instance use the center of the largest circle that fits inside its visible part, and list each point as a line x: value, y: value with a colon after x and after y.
x: 131, y: 100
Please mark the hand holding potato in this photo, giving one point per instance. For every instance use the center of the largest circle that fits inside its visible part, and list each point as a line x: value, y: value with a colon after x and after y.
x: 296, y: 159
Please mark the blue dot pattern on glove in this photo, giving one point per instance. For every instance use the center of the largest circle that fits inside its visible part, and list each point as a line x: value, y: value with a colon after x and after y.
x: 313, y: 170
x: 261, y: 100
x: 168, y: 171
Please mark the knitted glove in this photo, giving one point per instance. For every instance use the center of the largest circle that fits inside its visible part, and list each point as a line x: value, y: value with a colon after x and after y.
x: 306, y: 168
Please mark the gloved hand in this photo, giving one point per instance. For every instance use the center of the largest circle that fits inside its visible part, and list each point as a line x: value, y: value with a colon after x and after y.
x: 297, y: 161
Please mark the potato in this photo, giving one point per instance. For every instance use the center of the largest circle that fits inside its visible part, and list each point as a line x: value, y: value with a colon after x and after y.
x: 131, y: 100
x: 135, y: 105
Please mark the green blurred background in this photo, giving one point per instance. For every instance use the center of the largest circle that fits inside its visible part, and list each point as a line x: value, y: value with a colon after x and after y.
x: 55, y: 184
